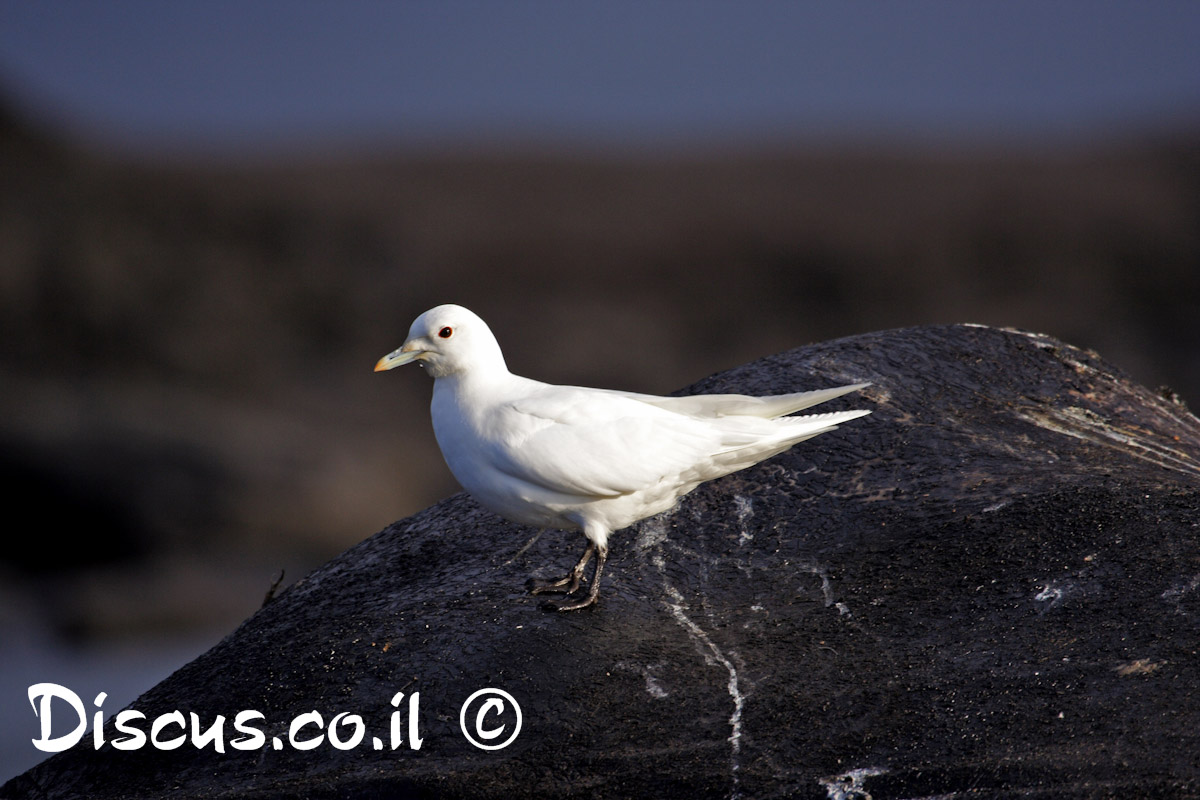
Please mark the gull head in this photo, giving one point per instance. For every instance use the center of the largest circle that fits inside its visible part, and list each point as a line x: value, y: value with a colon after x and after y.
x: 447, y: 340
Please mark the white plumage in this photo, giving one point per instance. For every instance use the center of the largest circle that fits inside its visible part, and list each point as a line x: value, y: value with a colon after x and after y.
x: 593, y: 459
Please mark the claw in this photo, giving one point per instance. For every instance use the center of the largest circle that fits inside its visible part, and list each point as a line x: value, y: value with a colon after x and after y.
x: 590, y: 600
x: 573, y: 579
x: 538, y: 585
x: 568, y: 583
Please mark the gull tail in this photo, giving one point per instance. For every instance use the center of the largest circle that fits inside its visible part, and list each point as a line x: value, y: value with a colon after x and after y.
x: 797, y: 429
x: 710, y: 406
x: 782, y: 404
x: 749, y: 440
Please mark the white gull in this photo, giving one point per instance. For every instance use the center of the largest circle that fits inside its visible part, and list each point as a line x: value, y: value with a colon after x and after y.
x: 595, y: 460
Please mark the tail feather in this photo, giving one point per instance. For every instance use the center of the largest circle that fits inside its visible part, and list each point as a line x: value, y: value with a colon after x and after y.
x: 708, y: 406
x: 745, y: 449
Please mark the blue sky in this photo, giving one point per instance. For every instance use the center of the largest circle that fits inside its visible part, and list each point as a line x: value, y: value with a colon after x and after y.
x: 264, y: 73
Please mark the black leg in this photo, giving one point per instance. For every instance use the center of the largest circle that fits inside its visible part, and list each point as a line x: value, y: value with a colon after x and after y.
x: 594, y: 592
x: 567, y: 583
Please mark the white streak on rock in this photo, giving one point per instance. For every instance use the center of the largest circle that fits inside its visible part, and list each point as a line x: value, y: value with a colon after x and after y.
x: 712, y: 655
x: 826, y: 587
x: 654, y: 687
x: 1086, y: 425
x: 745, y: 510
x: 1053, y: 593
x: 849, y: 785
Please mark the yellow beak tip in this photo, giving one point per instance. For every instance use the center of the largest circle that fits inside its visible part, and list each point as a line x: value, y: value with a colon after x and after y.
x: 395, y: 359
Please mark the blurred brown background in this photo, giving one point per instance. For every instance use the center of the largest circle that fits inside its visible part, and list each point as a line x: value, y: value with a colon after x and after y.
x: 188, y: 334
x: 188, y: 396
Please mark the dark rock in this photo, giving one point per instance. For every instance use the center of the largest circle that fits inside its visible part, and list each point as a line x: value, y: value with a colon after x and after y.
x: 988, y: 588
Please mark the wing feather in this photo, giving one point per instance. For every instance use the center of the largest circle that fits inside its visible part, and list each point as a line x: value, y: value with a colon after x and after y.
x: 727, y: 405
x: 579, y: 442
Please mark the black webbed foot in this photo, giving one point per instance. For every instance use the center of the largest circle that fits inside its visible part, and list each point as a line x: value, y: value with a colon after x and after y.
x: 572, y: 580
x: 589, y: 600
x: 568, y: 583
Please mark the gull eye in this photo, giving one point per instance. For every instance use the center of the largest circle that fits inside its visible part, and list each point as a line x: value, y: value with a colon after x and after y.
x: 446, y: 332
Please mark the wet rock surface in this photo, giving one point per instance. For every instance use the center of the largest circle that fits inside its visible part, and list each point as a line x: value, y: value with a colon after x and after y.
x: 990, y: 587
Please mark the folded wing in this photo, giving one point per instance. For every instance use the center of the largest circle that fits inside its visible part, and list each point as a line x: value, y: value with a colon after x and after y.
x: 596, y: 443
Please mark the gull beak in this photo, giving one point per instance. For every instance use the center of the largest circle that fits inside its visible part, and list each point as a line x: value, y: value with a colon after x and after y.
x: 405, y: 354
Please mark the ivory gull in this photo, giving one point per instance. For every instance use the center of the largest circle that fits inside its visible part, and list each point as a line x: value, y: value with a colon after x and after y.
x: 596, y: 460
